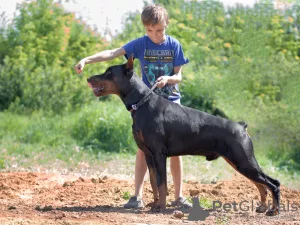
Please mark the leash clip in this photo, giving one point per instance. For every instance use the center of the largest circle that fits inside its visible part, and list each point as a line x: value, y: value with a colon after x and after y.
x: 144, y: 99
x: 134, y: 107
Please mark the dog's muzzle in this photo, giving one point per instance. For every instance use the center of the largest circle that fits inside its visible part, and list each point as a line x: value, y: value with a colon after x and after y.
x: 96, y: 89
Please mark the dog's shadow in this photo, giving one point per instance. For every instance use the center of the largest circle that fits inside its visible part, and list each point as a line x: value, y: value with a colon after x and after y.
x: 104, y: 209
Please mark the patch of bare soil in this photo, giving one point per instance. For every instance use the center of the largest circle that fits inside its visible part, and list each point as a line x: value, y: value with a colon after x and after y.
x: 38, y: 198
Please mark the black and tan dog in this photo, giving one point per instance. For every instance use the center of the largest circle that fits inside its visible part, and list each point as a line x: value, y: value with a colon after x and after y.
x: 162, y: 129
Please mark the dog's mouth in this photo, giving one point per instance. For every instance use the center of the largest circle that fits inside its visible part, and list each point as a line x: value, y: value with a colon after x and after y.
x: 96, y: 89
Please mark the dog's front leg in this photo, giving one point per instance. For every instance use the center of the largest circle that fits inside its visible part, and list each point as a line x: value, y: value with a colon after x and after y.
x: 160, y: 176
x: 152, y: 172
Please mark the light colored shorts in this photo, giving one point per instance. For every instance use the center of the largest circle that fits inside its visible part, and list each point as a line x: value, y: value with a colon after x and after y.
x: 177, y: 101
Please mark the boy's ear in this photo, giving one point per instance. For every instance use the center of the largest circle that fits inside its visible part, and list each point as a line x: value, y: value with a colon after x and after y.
x: 129, y: 64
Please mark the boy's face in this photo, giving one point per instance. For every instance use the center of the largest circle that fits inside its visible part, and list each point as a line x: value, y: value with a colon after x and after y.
x: 156, y: 32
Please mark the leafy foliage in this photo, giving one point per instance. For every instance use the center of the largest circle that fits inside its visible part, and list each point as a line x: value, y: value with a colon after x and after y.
x: 41, y: 47
x: 243, y: 65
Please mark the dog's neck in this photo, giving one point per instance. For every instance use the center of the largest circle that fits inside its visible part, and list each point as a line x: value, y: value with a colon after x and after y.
x: 137, y: 90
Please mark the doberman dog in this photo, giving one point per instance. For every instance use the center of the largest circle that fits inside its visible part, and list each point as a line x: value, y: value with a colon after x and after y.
x: 162, y: 129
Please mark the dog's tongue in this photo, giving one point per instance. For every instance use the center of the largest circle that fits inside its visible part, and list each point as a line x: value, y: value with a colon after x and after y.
x: 90, y: 85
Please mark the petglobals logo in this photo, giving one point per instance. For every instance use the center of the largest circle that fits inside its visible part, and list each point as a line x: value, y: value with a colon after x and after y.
x: 197, y: 213
x: 247, y: 206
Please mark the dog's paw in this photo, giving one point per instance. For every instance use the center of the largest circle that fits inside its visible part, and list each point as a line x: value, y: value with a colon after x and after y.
x: 158, y: 208
x: 261, y: 209
x: 272, y: 212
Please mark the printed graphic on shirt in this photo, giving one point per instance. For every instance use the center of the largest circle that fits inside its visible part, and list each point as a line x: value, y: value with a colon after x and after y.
x: 159, y: 63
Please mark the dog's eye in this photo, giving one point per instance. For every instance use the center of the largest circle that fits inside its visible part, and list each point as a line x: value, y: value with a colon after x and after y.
x: 108, y: 72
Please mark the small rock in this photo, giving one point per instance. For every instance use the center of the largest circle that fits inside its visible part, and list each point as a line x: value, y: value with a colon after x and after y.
x: 194, y: 192
x: 68, y: 183
x: 178, y: 214
x: 215, y: 192
x: 101, y: 180
x: 81, y: 179
x: 117, y: 190
x: 59, y: 216
x: 12, y: 207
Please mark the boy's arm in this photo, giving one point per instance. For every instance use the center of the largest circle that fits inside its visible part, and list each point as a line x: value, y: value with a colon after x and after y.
x: 174, y: 79
x: 105, y: 55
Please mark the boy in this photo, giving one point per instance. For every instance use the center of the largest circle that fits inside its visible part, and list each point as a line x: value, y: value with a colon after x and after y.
x: 161, y: 58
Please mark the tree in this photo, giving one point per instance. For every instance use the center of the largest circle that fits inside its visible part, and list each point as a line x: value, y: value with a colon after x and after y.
x: 37, y: 54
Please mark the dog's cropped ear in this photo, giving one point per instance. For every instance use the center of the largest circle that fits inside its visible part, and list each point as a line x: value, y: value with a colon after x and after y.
x: 129, y: 65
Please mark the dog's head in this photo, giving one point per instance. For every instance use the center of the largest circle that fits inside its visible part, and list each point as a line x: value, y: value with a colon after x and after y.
x: 115, y: 80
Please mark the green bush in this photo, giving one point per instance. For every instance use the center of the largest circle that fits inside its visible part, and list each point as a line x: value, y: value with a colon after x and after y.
x: 104, y: 127
x: 36, y: 72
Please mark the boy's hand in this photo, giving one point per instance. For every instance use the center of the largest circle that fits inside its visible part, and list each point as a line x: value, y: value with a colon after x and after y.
x: 162, y: 81
x: 79, y: 66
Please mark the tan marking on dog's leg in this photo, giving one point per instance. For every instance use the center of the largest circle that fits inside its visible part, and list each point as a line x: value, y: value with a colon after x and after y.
x: 162, y: 196
x: 263, y: 198
x: 153, y: 184
x: 231, y: 164
x: 262, y: 190
x: 275, y: 204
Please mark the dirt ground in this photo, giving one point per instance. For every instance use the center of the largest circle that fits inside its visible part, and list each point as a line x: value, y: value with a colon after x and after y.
x: 41, y: 198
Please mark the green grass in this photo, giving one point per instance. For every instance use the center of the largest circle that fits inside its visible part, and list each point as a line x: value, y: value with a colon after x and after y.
x: 223, y: 219
x: 205, y: 203
x: 98, y: 139
x: 126, y: 195
x: 87, y: 135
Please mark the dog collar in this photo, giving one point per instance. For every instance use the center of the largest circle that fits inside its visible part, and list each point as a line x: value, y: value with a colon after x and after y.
x: 135, y: 107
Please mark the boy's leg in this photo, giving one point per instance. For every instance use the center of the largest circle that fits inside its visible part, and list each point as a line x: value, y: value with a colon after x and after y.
x: 176, y: 167
x: 176, y: 171
x: 139, y: 174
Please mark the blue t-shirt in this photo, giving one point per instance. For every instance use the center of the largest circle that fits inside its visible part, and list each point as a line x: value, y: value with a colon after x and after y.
x: 158, y: 60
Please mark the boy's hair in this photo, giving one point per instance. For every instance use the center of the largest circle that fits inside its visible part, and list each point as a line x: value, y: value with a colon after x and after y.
x: 154, y: 14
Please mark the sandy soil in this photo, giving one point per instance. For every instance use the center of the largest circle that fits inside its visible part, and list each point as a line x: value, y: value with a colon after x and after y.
x: 41, y: 198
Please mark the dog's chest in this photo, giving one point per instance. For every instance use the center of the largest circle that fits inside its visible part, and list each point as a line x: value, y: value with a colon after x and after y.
x: 137, y: 133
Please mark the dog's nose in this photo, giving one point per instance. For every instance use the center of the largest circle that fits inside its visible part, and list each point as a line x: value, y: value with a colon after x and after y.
x: 88, y: 79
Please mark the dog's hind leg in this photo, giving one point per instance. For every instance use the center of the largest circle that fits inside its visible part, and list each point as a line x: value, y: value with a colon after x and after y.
x: 262, y: 190
x: 275, y: 197
x: 262, y: 179
x: 250, y: 169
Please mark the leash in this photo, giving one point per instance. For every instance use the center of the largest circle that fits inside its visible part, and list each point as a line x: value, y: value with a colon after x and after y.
x: 144, y: 99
